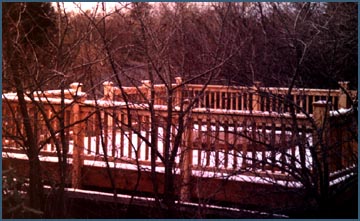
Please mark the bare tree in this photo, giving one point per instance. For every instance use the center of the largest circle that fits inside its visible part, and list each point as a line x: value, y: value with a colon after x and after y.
x: 32, y: 65
x: 148, y: 58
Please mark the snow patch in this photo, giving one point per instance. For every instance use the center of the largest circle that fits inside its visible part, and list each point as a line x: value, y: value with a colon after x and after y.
x: 341, y: 111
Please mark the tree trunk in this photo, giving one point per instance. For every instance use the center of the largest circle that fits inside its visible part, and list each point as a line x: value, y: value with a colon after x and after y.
x: 36, y: 190
x: 169, y: 194
x: 35, y: 176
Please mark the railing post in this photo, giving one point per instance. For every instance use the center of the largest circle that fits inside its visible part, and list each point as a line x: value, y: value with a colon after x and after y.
x: 256, y: 96
x: 108, y: 90
x: 186, y: 153
x: 178, y: 91
x: 76, y: 86
x: 321, y: 114
x: 320, y: 111
x: 78, y: 148
x: 344, y: 86
x: 75, y: 90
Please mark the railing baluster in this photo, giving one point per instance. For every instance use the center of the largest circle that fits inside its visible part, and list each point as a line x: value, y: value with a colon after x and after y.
x: 217, y: 149
x: 272, y: 144
x: 89, y: 133
x: 264, y: 140
x: 208, y: 141
x: 106, y: 133
x: 235, y: 144
x: 253, y: 145
x: 113, y: 133
x: 226, y: 143
x: 97, y: 134
x: 122, y: 135
x: 283, y: 146
x: 245, y: 145
x: 200, y: 138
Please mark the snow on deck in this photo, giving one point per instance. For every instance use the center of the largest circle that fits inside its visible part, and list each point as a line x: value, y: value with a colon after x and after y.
x: 160, y: 169
x: 200, y: 158
x: 133, y: 144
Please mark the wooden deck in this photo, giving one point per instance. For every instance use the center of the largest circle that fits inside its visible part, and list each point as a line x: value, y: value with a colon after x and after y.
x: 231, y: 135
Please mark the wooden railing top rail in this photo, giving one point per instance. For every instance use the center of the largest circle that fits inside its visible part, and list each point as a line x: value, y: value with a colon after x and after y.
x: 75, y: 91
x: 44, y: 99
x: 275, y: 90
x: 228, y: 97
x: 145, y: 107
x: 240, y: 89
x: 279, y: 90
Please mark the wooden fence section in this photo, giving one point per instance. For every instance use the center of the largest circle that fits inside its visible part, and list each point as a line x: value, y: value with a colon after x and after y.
x: 254, y: 98
x: 219, y: 140
x: 341, y: 139
x: 249, y: 141
x: 221, y: 137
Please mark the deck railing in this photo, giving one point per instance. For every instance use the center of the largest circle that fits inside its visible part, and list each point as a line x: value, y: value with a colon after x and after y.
x: 254, y: 98
x: 226, y: 131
